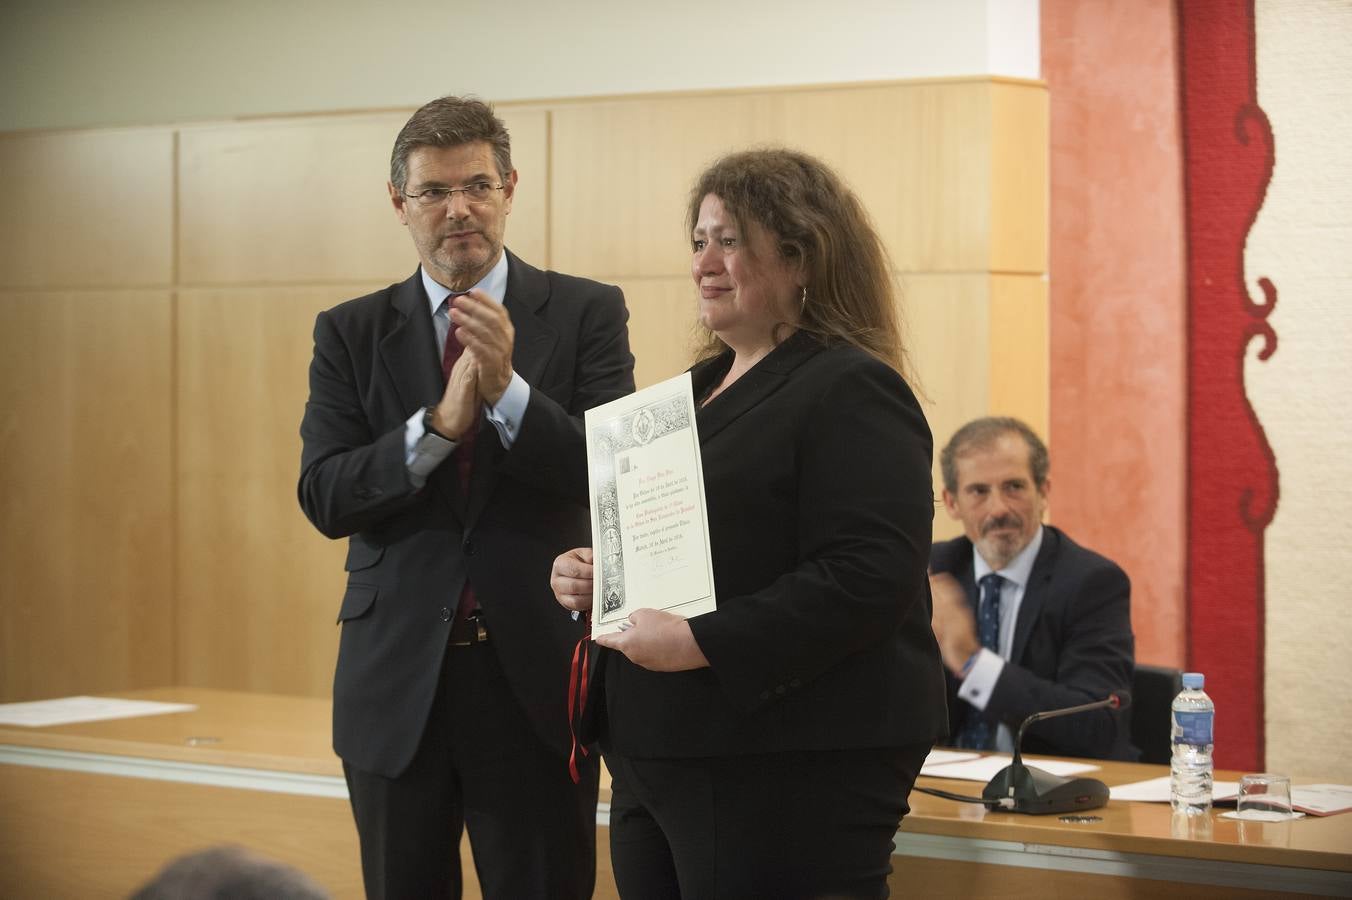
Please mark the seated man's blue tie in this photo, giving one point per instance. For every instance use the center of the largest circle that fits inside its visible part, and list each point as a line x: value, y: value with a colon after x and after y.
x: 978, y: 733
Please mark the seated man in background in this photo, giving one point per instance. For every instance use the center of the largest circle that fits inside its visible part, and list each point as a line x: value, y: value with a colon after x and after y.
x: 1027, y: 619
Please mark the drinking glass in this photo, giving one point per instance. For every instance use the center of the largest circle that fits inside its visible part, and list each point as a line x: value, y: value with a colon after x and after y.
x: 1265, y: 797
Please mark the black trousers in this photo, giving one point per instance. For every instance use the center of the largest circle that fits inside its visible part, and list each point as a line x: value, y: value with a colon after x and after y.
x: 482, y: 767
x: 783, y: 825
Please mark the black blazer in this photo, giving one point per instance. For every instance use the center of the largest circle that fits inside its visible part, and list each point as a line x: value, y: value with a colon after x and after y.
x: 817, y: 477
x: 1073, y: 644
x: 409, y: 550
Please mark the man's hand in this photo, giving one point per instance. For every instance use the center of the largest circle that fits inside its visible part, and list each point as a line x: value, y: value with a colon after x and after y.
x: 459, y: 405
x: 954, y: 625
x: 484, y: 327
x: 657, y: 640
x: 571, y: 579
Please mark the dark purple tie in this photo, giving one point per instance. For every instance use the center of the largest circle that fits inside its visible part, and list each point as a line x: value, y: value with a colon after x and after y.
x: 464, y: 450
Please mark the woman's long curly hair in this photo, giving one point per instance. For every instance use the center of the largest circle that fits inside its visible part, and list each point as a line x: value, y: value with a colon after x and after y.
x: 816, y: 222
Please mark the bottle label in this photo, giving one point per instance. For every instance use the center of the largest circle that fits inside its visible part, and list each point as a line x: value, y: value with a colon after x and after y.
x: 1193, y: 727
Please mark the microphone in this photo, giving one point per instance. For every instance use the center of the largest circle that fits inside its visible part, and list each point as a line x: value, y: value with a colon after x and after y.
x: 1025, y: 789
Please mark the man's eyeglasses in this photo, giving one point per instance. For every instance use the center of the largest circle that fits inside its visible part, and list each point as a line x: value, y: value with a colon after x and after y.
x: 477, y: 192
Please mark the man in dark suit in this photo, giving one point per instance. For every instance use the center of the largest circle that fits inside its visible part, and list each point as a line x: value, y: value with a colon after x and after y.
x: 1027, y: 619
x: 443, y: 438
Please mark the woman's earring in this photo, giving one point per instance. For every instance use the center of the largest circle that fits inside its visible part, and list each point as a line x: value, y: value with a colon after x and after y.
x: 802, y: 303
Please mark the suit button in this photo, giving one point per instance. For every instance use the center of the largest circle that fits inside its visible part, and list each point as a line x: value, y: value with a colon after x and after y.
x: 795, y: 683
x: 468, y: 547
x: 781, y: 689
x: 765, y: 695
x: 445, y: 614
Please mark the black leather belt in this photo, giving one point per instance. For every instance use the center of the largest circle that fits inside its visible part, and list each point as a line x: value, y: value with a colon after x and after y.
x: 469, y: 630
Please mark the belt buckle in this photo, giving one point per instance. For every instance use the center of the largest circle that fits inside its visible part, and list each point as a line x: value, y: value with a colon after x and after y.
x: 478, y: 633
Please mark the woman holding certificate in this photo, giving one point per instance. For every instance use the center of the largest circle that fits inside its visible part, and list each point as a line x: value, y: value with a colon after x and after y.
x: 767, y: 748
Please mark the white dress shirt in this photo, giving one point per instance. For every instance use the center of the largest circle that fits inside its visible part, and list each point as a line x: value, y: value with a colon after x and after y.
x: 980, y: 681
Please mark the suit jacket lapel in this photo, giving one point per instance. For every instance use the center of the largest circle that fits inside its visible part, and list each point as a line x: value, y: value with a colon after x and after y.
x: 532, y: 346
x: 1036, y: 591
x: 761, y: 380
x: 409, y: 353
x: 527, y: 291
x: 409, y: 349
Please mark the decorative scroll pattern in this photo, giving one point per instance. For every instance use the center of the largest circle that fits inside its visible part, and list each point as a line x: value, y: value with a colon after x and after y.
x: 636, y: 429
x: 1232, y: 478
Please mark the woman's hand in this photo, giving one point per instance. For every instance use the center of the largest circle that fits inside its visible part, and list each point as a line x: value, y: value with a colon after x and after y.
x: 571, y: 579
x: 656, y: 640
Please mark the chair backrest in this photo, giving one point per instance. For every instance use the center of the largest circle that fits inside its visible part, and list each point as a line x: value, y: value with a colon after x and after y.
x: 1152, y: 693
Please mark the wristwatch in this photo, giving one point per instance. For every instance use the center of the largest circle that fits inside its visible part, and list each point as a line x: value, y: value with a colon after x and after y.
x: 427, y: 426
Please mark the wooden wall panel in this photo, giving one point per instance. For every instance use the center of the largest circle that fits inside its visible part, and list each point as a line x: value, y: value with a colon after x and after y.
x: 1019, y: 347
x: 924, y: 166
x: 948, y: 328
x: 663, y: 332
x: 86, y: 209
x: 85, y: 510
x: 979, y: 345
x: 258, y: 588
x: 305, y: 200
x: 1019, y: 185
x: 297, y: 200
x: 623, y: 170
x: 528, y: 225
x: 919, y: 157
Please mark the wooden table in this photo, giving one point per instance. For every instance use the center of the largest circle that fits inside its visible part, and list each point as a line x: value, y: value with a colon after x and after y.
x: 948, y: 848
x: 94, y: 809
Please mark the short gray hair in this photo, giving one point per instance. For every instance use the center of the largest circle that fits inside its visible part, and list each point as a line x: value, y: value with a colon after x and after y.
x: 449, y: 122
x: 981, y: 434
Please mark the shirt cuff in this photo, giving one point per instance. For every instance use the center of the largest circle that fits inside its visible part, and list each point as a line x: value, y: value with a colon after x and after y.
x: 510, y: 409
x: 977, y: 687
x: 423, y: 450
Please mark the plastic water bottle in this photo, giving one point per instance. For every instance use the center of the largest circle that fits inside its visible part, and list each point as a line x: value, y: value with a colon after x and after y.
x: 1190, y: 771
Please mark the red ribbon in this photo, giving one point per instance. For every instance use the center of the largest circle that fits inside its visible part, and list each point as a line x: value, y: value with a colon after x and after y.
x: 577, y: 696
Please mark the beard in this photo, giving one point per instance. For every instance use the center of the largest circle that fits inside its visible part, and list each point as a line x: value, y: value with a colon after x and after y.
x: 465, y: 259
x: 998, y: 546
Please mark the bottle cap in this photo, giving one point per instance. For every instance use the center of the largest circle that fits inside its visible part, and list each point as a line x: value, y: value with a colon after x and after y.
x: 1193, y: 681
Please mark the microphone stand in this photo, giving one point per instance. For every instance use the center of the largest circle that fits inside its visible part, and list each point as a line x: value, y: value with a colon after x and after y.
x: 1025, y: 789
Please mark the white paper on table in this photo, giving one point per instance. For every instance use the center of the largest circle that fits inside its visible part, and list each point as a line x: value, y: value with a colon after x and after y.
x: 939, y: 757
x: 987, y: 767
x: 1322, y: 799
x: 1156, y: 790
x: 68, y: 710
x: 650, y: 524
x: 1316, y: 799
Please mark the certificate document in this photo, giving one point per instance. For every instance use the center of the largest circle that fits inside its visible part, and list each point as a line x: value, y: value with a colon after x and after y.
x: 649, y: 522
